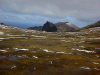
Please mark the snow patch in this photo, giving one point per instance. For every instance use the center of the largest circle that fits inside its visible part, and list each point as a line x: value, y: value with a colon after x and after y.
x: 45, y: 50
x: 95, y: 63
x: 97, y: 69
x: 1, y: 33
x: 87, y: 68
x: 13, y: 67
x: 3, y: 51
x: 21, y: 49
x: 35, y: 57
x: 3, y: 38
x: 84, y: 50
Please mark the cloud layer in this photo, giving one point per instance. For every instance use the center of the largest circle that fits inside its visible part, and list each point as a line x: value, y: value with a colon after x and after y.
x: 27, y: 13
x: 85, y: 9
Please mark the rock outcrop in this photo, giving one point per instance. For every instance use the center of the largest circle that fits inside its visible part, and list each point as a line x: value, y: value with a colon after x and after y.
x: 49, y: 27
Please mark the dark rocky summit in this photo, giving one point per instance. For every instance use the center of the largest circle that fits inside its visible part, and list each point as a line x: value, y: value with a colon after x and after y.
x: 49, y: 27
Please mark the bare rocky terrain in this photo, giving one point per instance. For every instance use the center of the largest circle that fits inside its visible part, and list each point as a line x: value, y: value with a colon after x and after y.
x: 31, y: 52
x: 57, y: 27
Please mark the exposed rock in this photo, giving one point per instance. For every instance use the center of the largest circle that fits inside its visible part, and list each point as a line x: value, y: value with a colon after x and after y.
x: 49, y: 27
x: 66, y: 27
x: 58, y: 27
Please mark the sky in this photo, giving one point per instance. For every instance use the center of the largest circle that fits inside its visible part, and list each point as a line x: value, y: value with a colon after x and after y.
x: 28, y: 13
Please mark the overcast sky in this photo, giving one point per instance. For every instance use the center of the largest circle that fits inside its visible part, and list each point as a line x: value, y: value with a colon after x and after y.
x: 80, y: 12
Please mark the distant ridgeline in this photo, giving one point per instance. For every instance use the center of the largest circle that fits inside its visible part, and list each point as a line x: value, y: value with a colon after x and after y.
x: 58, y: 27
x: 97, y: 24
x: 39, y: 28
x: 2, y: 24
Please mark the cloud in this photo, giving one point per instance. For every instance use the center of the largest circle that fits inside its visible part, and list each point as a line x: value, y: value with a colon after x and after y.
x: 27, y: 13
x: 85, y: 9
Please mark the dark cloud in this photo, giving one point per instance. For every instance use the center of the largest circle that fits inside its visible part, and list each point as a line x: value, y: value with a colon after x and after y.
x: 85, y: 9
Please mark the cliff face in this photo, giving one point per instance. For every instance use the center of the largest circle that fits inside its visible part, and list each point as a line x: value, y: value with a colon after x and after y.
x: 49, y: 27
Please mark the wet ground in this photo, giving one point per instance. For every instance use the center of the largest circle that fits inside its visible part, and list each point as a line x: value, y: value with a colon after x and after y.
x: 41, y: 53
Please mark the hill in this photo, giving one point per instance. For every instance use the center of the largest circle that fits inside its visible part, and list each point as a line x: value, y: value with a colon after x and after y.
x: 97, y: 24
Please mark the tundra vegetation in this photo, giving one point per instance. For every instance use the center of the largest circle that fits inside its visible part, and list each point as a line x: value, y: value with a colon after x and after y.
x: 30, y: 52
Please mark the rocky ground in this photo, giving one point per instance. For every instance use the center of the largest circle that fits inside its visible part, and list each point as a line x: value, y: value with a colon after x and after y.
x: 30, y: 52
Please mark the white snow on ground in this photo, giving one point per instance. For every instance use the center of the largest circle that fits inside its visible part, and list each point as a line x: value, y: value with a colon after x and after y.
x: 16, y: 49
x: 35, y: 57
x: 3, y: 51
x: 81, y: 41
x: 51, y: 62
x: 13, y: 67
x: 64, y: 53
x: 96, y: 63
x: 84, y: 50
x: 61, y: 52
x: 15, y: 35
x: 87, y: 68
x: 45, y: 50
x: 7, y: 27
x: 3, y: 38
x: 97, y: 69
x: 65, y: 41
x: 82, y: 46
x: 1, y: 33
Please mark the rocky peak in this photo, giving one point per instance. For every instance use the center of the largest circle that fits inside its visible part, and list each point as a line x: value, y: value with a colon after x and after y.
x: 49, y: 27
